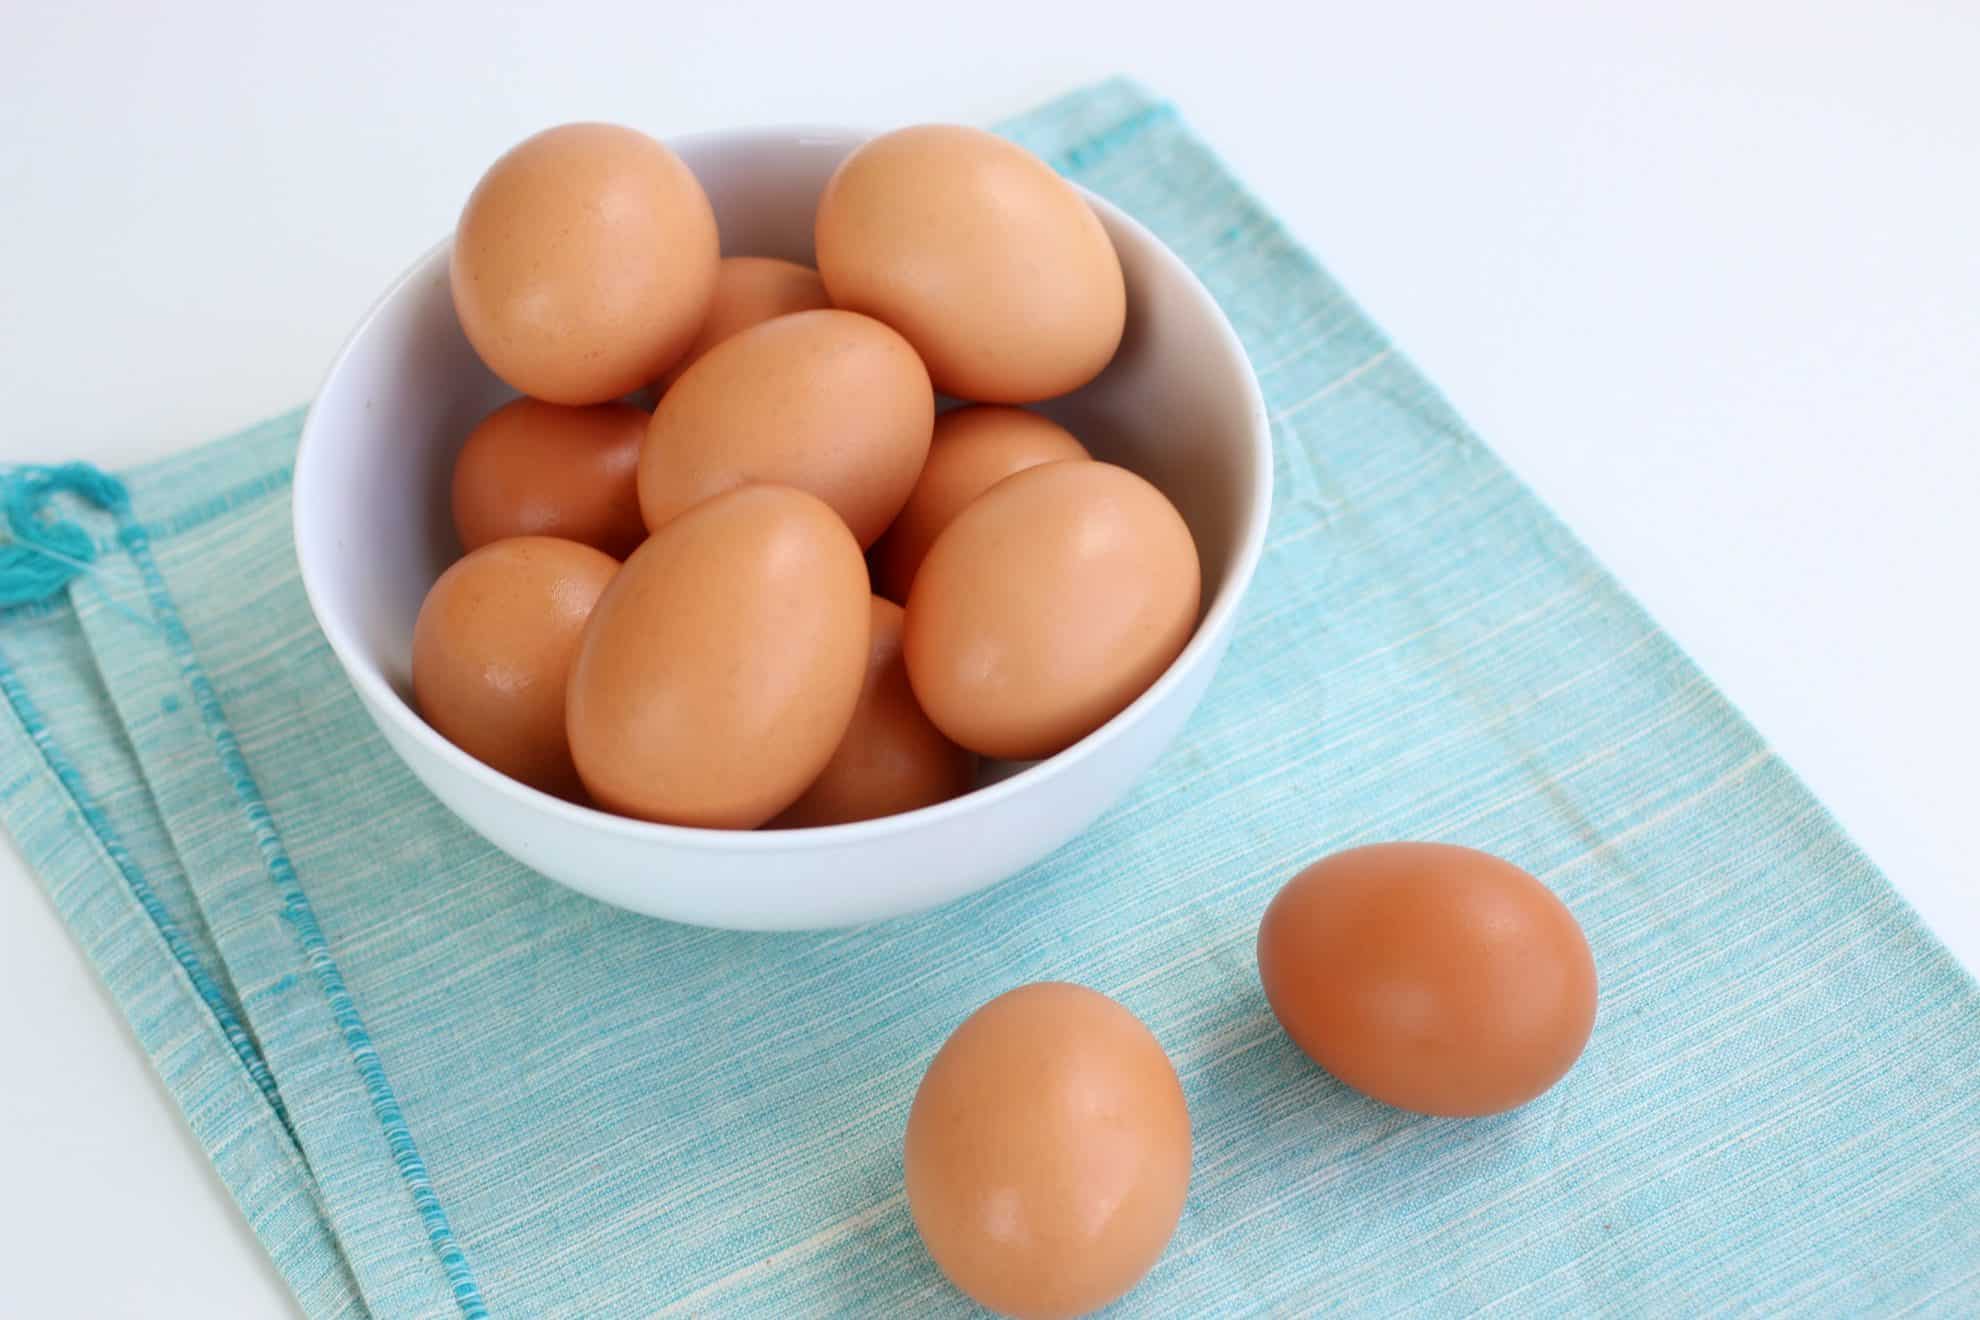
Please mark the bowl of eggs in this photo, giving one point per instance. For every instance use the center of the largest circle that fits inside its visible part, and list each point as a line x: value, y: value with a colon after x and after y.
x: 783, y: 528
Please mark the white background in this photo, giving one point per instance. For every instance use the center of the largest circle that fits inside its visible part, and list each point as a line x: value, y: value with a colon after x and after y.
x: 1706, y: 274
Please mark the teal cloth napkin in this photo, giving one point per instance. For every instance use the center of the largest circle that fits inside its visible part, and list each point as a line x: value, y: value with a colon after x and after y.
x: 440, y: 1085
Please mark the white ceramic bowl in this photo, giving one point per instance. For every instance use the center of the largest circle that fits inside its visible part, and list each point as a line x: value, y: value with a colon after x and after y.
x: 1180, y: 405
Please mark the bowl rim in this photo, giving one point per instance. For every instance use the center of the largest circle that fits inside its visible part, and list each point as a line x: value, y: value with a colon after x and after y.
x: 385, y: 701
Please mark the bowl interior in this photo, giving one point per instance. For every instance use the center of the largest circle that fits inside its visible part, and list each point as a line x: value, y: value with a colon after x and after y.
x: 1178, y: 405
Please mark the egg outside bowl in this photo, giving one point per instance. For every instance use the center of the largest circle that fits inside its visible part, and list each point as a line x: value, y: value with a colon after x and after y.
x: 1179, y: 404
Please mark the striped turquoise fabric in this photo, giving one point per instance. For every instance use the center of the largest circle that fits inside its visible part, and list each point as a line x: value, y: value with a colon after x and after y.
x: 488, y: 1095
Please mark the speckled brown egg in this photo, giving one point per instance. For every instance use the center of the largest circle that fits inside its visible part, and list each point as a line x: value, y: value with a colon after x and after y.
x: 972, y: 450
x: 720, y: 671
x: 542, y: 469
x: 1432, y: 977
x: 492, y: 650
x: 830, y: 402
x: 749, y: 291
x: 892, y: 759
x: 584, y: 263
x: 1048, y: 1152
x: 1049, y: 604
x: 994, y: 267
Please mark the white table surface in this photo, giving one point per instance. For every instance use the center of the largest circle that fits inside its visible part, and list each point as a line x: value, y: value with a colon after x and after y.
x: 1704, y: 274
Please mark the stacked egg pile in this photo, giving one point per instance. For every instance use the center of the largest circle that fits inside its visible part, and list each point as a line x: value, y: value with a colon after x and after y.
x: 791, y: 593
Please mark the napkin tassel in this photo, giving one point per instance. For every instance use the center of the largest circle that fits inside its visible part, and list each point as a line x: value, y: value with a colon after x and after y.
x: 45, y: 555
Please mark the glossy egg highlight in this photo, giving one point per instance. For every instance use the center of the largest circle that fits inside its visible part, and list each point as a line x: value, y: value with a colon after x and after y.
x: 1432, y: 977
x: 720, y: 670
x: 1048, y: 1152
x: 993, y: 266
x: 829, y: 402
x: 1049, y: 604
x: 584, y: 263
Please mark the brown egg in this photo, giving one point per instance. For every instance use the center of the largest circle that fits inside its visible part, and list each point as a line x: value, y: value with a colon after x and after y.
x: 972, y: 450
x: 721, y: 669
x: 1432, y: 977
x: 994, y: 267
x: 1047, y: 606
x: 891, y: 759
x: 492, y: 649
x: 542, y: 469
x: 584, y: 263
x: 829, y: 402
x: 749, y: 291
x: 1048, y: 1152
